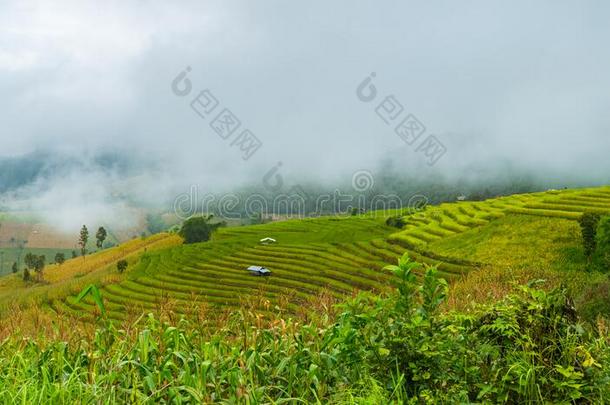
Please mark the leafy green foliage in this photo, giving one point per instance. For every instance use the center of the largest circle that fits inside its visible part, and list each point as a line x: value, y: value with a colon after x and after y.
x: 122, y: 266
x: 95, y: 294
x: 602, y: 240
x: 30, y: 260
x: 396, y: 222
x: 528, y: 348
x: 60, y: 258
x: 396, y: 348
x: 406, y: 284
x: 198, y: 229
x: 83, y: 239
x: 100, y: 237
x: 588, y: 225
x: 35, y: 263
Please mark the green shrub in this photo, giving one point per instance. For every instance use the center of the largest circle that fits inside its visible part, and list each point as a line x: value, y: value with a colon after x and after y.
x: 122, y: 265
x: 588, y: 225
x: 594, y: 301
x: 198, y: 229
x: 394, y: 348
x: 60, y: 258
x: 602, y: 241
x: 396, y: 222
x: 527, y: 348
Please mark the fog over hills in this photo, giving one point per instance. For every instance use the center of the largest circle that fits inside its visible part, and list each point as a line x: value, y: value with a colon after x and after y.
x: 68, y: 189
x: 92, y: 119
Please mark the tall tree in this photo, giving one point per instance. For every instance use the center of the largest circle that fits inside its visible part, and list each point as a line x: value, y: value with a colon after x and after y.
x: 35, y: 263
x: 15, y: 267
x: 39, y: 264
x: 82, y: 241
x: 199, y: 229
x: 60, y: 258
x: 100, y: 236
x: 30, y: 260
x: 122, y: 265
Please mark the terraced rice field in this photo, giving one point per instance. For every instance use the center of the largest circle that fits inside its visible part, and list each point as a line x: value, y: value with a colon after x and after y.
x: 449, y: 219
x: 75, y: 274
x: 335, y: 256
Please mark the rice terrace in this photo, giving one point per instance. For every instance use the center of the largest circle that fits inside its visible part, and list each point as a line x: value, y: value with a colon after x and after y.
x: 211, y: 202
x: 336, y: 256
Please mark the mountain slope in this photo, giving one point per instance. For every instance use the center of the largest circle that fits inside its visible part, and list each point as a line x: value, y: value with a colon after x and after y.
x: 336, y: 256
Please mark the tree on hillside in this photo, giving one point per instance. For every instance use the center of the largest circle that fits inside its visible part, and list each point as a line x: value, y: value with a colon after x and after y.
x: 83, y: 239
x: 39, y: 266
x: 34, y: 263
x: 396, y: 222
x: 199, y: 229
x: 588, y: 226
x: 60, y: 258
x: 74, y: 254
x: 121, y: 266
x: 26, y: 274
x: 100, y: 236
x: 30, y: 260
x: 603, y: 241
x: 15, y: 268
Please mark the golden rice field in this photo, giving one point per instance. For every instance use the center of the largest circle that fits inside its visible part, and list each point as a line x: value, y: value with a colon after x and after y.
x: 335, y: 256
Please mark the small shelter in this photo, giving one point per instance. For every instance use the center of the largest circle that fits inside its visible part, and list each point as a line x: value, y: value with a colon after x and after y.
x: 259, y: 271
x: 267, y: 241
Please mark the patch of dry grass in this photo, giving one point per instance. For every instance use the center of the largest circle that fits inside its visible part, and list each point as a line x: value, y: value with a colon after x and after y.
x: 75, y: 274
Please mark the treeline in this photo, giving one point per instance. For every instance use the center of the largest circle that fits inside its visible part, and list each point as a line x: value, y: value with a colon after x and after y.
x: 387, y: 189
x: 35, y: 264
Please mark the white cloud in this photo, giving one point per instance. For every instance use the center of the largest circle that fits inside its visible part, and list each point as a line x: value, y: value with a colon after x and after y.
x: 91, y: 75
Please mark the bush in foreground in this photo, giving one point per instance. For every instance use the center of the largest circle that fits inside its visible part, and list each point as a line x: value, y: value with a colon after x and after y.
x: 394, y: 348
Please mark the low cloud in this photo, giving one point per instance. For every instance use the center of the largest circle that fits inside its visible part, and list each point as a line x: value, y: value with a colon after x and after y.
x: 505, y: 87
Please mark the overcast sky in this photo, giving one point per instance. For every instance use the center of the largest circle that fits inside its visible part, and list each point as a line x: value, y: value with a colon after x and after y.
x: 492, y: 80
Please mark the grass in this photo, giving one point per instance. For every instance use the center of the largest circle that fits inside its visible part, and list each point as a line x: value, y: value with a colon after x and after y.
x: 520, y: 248
x: 518, y: 241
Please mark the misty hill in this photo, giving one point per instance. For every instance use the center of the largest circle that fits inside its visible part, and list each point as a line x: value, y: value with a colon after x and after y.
x: 25, y: 170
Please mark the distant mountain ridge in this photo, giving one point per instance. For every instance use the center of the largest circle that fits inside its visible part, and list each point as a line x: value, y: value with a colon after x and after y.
x: 21, y: 171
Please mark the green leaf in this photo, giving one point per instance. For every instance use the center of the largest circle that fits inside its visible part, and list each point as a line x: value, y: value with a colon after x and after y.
x: 96, y: 295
